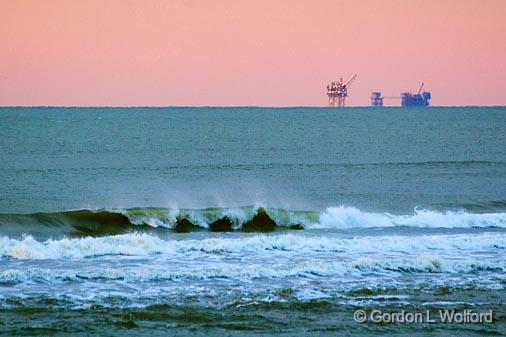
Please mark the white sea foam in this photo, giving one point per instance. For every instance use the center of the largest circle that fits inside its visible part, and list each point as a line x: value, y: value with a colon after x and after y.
x: 349, y: 217
x: 142, y: 244
x: 250, y: 271
x: 141, y: 264
x: 340, y: 217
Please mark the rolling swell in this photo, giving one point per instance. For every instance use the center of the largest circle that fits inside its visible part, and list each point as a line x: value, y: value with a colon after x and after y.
x: 486, y: 206
x: 72, y: 223
x: 81, y: 223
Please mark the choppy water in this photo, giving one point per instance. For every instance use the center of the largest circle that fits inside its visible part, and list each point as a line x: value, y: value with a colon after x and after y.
x: 401, y: 209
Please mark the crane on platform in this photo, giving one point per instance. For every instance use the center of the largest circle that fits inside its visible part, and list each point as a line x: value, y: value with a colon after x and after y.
x: 338, y: 91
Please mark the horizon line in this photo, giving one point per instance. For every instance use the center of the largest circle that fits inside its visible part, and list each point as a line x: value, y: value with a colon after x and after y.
x: 240, y: 106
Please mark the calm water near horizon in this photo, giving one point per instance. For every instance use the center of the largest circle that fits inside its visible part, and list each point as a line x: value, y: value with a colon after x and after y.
x: 402, y: 209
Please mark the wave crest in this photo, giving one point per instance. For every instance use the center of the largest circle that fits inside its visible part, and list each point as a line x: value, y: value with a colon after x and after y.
x: 143, y: 244
x: 252, y: 218
x: 349, y: 217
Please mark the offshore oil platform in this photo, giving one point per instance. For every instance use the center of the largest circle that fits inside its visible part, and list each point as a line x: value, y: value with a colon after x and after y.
x: 338, y: 91
x: 408, y: 99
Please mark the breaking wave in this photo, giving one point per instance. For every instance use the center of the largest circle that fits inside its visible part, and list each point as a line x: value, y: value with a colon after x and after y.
x: 143, y: 244
x: 119, y: 221
x: 421, y: 264
x: 349, y: 217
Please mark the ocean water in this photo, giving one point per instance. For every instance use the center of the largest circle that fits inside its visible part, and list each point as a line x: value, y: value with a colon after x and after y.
x: 110, y: 220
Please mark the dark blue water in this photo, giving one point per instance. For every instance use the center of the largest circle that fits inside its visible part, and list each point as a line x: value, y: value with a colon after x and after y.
x: 388, y: 159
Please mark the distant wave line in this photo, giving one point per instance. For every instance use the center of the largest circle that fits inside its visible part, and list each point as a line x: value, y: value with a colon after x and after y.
x: 268, y: 166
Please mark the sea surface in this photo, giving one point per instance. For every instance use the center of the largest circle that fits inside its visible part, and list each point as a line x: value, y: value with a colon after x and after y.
x: 245, y: 221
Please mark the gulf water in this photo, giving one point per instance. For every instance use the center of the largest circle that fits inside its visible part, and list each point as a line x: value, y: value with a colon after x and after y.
x: 402, y: 209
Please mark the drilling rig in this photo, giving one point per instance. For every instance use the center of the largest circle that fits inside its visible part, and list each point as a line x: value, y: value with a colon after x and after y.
x: 338, y: 91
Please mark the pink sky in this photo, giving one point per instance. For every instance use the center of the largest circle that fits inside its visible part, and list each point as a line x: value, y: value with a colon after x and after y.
x: 256, y: 52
